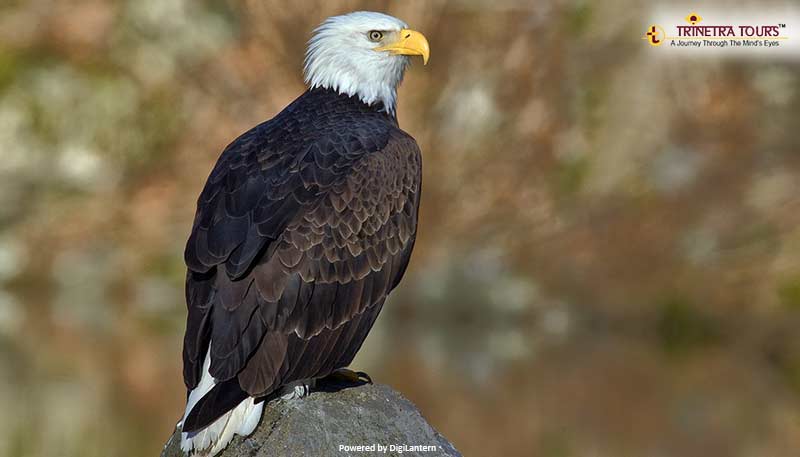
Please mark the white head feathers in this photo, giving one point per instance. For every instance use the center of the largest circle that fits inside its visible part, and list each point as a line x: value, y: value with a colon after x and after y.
x: 342, y: 57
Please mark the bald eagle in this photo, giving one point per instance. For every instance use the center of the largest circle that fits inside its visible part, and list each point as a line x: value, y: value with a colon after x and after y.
x: 303, y: 228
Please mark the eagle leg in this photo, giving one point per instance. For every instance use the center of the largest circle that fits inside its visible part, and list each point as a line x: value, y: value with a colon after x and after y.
x: 298, y: 389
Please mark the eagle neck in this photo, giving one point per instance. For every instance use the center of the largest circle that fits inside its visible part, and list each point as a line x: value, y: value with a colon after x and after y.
x: 328, y: 97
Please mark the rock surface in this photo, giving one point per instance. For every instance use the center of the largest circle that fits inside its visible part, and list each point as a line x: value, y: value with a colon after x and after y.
x: 319, y: 424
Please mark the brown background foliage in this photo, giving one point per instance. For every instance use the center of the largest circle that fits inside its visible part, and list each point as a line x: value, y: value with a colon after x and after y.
x: 608, y: 261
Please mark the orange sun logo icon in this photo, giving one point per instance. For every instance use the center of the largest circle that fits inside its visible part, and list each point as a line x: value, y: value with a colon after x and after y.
x: 693, y: 18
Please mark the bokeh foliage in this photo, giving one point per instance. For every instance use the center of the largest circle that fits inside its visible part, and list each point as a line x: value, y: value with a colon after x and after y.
x: 609, y: 252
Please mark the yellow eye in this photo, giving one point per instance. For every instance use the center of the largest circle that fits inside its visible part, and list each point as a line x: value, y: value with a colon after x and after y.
x: 375, y: 35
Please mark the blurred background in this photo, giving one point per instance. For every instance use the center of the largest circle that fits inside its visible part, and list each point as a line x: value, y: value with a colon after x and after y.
x: 608, y: 261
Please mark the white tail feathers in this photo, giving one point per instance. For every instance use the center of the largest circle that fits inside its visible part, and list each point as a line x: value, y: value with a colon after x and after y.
x: 241, y: 420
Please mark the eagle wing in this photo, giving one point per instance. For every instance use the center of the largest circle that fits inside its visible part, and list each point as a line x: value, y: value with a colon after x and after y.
x: 299, y: 237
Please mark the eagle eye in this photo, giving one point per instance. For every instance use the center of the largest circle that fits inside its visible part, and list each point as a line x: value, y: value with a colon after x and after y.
x: 375, y: 35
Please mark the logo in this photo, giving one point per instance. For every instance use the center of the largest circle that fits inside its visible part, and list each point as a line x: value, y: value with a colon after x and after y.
x: 701, y: 34
x: 655, y: 35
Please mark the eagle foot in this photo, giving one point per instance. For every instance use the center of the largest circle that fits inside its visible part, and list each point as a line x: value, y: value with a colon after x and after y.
x: 298, y: 389
x: 349, y: 376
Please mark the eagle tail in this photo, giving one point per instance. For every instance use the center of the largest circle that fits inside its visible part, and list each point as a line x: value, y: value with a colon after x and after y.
x: 206, y: 433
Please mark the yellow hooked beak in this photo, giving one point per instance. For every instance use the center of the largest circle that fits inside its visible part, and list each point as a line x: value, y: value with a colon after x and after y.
x: 409, y: 43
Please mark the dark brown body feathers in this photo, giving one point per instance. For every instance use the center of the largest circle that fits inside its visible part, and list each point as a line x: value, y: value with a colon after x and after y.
x: 304, y: 226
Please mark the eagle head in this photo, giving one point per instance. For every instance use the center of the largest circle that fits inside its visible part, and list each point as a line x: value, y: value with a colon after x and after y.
x: 363, y: 54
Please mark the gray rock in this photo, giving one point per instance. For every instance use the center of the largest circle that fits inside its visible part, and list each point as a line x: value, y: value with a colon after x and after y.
x: 317, y: 425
